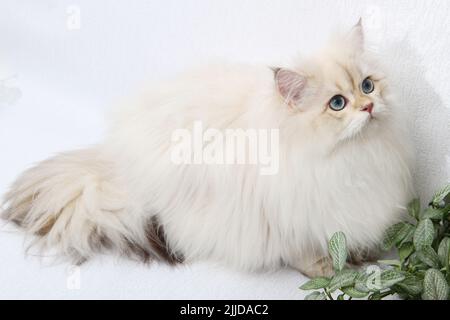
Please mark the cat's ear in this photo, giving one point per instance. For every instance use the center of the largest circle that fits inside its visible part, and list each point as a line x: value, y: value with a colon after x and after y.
x: 356, y: 37
x: 291, y: 85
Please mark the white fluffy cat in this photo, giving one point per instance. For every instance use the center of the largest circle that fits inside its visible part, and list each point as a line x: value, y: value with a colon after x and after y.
x: 344, y: 165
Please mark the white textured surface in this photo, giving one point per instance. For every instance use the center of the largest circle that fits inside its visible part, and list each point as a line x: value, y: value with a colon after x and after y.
x: 69, y: 78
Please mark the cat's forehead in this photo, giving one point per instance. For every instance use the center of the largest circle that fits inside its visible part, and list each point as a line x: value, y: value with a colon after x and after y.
x: 344, y: 74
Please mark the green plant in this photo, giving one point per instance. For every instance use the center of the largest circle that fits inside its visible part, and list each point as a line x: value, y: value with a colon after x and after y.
x: 422, y: 270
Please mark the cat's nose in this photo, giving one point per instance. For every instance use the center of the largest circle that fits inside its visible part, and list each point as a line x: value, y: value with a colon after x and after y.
x: 368, y: 108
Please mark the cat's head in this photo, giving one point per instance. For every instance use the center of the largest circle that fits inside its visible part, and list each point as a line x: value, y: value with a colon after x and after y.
x: 340, y: 91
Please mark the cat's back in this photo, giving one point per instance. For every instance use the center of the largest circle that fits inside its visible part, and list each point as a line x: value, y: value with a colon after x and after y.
x: 224, y: 79
x: 215, y: 94
x: 211, y: 88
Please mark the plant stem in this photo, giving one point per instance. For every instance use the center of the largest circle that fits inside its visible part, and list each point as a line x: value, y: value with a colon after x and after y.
x: 328, y: 294
x: 387, y: 293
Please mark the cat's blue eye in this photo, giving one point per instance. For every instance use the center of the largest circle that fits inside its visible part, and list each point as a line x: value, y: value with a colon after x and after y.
x: 337, y: 103
x: 367, y: 86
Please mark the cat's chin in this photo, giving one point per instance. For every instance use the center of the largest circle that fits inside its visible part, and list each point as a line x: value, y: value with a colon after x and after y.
x: 356, y: 127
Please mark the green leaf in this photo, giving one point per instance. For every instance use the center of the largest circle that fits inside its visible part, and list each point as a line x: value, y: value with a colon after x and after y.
x: 444, y: 252
x: 405, y: 250
x: 415, y: 262
x: 412, y: 285
x: 375, y: 296
x: 390, y: 236
x: 361, y: 282
x: 316, y: 295
x: 390, y: 277
x: 344, y: 278
x: 433, y: 214
x: 435, y: 286
x: 414, y: 208
x: 338, y: 250
x: 439, y: 196
x: 405, y: 234
x: 424, y: 234
x: 393, y: 263
x: 354, y: 293
x: 446, y: 209
x: 316, y: 283
x: 428, y: 256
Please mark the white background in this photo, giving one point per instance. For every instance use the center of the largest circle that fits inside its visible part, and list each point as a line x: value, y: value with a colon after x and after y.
x: 60, y: 80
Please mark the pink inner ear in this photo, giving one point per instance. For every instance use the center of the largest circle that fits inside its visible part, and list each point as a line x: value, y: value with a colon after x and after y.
x: 290, y: 85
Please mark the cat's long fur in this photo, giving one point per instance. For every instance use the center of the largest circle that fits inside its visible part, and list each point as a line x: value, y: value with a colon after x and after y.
x: 338, y: 171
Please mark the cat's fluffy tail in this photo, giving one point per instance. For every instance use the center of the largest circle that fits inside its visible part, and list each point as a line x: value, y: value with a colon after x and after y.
x: 73, y: 203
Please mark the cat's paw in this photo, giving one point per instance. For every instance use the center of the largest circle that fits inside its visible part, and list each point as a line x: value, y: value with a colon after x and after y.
x: 321, y: 268
x: 359, y: 258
